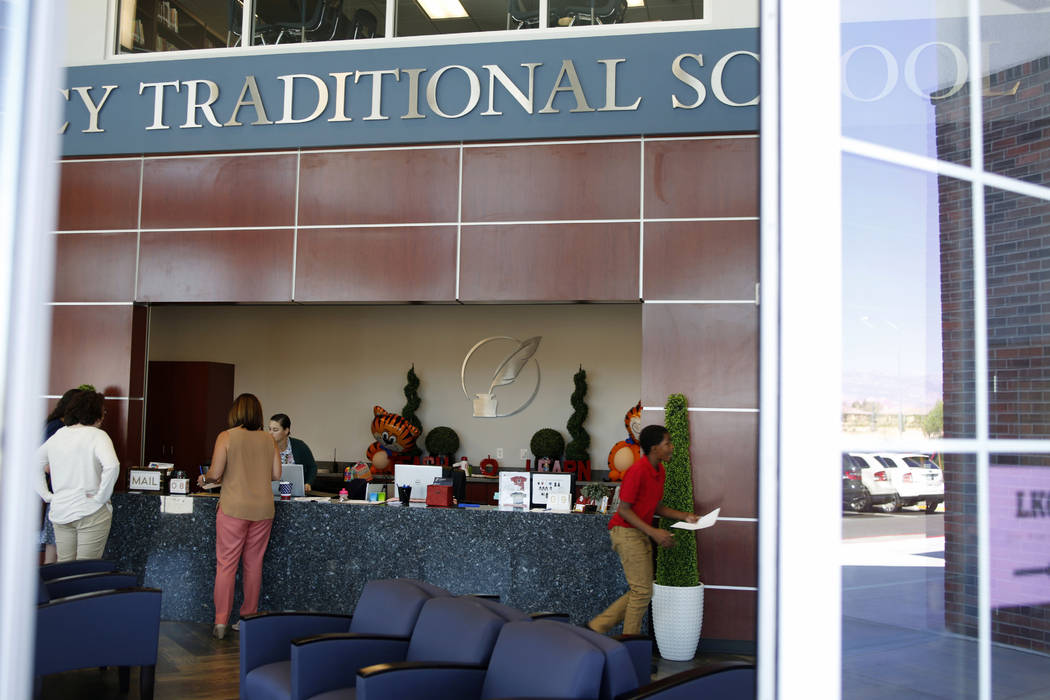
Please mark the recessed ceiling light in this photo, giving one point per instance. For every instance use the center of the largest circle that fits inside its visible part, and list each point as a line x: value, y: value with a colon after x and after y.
x: 635, y: 3
x: 443, y: 9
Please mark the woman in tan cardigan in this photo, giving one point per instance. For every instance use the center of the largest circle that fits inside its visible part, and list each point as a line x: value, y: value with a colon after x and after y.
x: 245, y: 461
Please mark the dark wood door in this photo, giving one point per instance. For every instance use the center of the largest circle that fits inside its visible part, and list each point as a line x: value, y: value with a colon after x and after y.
x: 186, y: 406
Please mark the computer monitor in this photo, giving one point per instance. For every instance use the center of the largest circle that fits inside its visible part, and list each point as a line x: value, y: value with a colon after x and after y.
x: 294, y: 474
x: 418, y: 476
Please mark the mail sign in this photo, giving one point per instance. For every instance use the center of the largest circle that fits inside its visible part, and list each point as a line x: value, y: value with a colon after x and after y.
x: 664, y: 83
x: 143, y: 480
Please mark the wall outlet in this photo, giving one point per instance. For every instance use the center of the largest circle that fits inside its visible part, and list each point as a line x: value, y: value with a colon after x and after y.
x: 499, y: 453
x: 524, y: 453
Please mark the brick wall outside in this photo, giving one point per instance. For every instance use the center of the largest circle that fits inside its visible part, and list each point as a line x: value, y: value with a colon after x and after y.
x: 1017, y: 145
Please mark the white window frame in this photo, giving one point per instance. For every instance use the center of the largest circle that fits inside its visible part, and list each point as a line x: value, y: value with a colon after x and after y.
x: 801, y: 347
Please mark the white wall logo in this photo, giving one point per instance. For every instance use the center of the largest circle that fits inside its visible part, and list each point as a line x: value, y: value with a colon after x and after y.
x: 507, y: 372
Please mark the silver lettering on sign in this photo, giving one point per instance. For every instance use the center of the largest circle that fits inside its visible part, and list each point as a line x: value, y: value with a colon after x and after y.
x: 158, y: 102
x: 472, y: 100
x: 716, y: 79
x: 289, y: 91
x: 65, y: 126
x: 377, y: 90
x: 92, y: 108
x: 496, y: 73
x: 568, y: 69
x: 413, y: 93
x: 891, y: 72
x: 340, y: 98
x: 610, y: 87
x: 192, y: 105
x: 254, y: 100
x: 689, y: 79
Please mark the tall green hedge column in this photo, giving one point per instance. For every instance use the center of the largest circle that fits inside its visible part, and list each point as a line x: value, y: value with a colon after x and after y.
x: 677, y: 566
x: 412, y: 402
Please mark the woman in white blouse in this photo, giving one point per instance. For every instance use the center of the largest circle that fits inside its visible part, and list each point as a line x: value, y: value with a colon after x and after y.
x: 84, y: 469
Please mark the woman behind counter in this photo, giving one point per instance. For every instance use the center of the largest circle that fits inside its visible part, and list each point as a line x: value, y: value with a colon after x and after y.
x: 293, y: 450
x: 245, y: 461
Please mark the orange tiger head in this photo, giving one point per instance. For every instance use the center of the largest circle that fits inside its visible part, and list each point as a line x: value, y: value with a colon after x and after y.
x: 633, y: 421
x: 392, y: 431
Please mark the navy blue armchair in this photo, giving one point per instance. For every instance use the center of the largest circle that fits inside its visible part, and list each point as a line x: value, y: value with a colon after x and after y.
x: 66, y: 586
x: 118, y: 627
x: 387, y: 607
x: 729, y: 680
x: 453, y: 630
x: 570, y: 667
x: 76, y: 566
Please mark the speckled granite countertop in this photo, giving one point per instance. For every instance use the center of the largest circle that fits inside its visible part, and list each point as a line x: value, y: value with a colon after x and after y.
x: 321, y: 554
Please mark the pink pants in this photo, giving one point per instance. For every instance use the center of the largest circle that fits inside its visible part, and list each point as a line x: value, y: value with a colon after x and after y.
x: 234, y: 537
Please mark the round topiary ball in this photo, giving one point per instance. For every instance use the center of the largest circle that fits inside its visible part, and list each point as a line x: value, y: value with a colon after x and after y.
x: 442, y: 440
x: 547, y: 442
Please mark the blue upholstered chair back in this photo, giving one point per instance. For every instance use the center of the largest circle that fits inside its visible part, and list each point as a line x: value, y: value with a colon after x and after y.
x: 434, y: 591
x: 388, y: 606
x: 505, y: 611
x: 454, y: 630
x: 571, y: 667
x: 619, y: 675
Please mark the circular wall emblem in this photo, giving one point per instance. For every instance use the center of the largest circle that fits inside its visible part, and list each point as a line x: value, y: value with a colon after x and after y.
x: 507, y: 372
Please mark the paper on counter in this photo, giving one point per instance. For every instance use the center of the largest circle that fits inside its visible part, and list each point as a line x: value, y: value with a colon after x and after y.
x: 706, y: 521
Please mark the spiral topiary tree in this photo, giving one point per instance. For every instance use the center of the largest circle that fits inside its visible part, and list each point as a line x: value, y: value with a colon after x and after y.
x: 581, y: 441
x: 412, y: 402
x: 678, y: 565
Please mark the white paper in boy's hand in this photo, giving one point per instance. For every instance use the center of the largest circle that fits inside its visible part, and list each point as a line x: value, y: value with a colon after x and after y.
x: 706, y: 521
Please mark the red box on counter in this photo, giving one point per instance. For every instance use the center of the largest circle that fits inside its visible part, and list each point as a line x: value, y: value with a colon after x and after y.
x: 438, y: 495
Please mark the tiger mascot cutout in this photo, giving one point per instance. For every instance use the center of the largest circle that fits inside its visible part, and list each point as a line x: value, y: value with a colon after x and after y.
x: 393, y: 436
x: 625, y: 452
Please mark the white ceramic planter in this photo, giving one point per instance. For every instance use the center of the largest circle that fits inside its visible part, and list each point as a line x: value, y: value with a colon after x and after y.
x: 678, y: 612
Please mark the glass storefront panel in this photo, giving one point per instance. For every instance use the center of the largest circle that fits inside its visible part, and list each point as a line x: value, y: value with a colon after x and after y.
x: 903, y: 576
x: 1015, y: 90
x: 907, y: 313
x: 904, y: 76
x: 177, y: 25
x: 424, y: 17
x: 1017, y: 232
x: 1019, y: 542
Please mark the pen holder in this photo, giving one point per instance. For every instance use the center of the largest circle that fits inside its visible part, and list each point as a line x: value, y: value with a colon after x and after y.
x: 285, y: 489
x: 405, y: 494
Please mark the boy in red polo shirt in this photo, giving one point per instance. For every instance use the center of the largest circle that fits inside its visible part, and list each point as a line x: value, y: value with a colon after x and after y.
x: 630, y: 530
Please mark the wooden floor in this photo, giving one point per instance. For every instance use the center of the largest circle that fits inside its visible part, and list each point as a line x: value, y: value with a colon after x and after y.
x: 192, y: 665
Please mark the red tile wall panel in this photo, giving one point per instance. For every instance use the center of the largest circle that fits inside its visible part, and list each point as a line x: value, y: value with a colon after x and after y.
x: 210, y: 266
x: 91, y: 345
x: 708, y: 352
x: 551, y: 182
x: 219, y: 191
x: 98, y: 195
x: 700, y: 260
x: 729, y: 553
x: 701, y: 178
x: 549, y: 262
x: 385, y: 264
x: 724, y: 458
x: 95, y: 266
x: 729, y: 615
x: 379, y: 187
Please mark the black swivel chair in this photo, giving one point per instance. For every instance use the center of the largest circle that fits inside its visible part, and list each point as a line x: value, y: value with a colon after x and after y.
x: 363, y: 25
x: 525, y: 14
x: 594, y: 11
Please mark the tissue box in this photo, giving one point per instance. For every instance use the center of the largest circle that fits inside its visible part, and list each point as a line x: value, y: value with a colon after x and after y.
x: 438, y: 495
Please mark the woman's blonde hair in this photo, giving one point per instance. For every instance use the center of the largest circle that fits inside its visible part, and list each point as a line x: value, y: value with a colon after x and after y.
x: 246, y: 412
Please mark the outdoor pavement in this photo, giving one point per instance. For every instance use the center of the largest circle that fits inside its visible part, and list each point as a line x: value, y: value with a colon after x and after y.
x: 894, y: 643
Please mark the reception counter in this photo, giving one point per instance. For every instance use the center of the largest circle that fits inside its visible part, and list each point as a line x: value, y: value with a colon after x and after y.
x: 321, y: 554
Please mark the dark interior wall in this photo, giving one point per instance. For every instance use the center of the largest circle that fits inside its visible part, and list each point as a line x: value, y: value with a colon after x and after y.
x: 671, y: 222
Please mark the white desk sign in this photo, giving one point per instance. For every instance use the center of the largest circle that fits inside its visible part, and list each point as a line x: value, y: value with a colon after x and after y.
x: 144, y: 480
x: 176, y: 505
x: 558, y: 502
